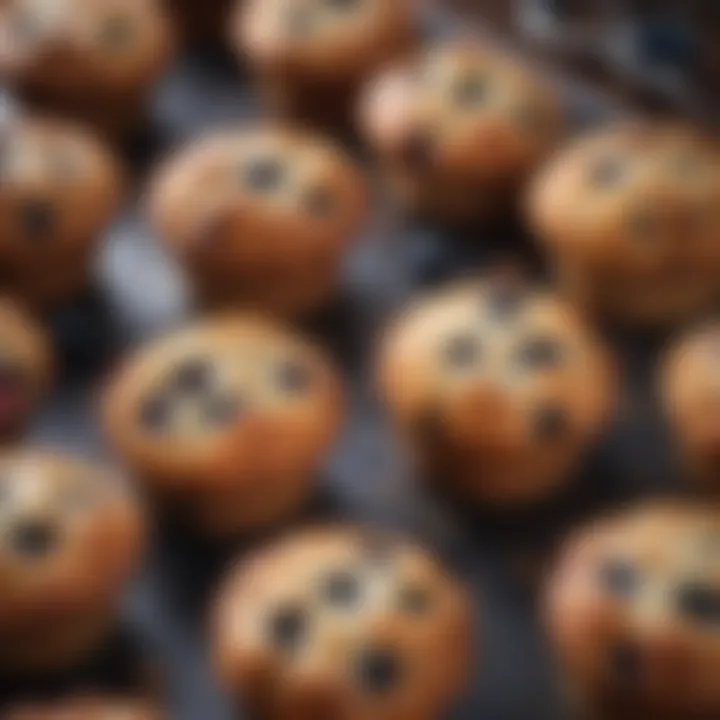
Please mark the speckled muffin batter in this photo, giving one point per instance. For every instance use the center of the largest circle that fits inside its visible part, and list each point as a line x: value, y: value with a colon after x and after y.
x: 339, y: 623
x: 26, y: 369
x: 634, y: 610
x: 260, y: 217
x: 94, y: 60
x: 691, y: 390
x: 629, y: 216
x: 459, y: 128
x: 59, y: 188
x: 226, y: 421
x: 71, y: 537
x: 498, y: 389
x: 311, y: 56
x: 86, y: 708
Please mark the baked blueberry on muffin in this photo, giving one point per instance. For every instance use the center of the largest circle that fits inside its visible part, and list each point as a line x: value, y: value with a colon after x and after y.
x: 59, y: 188
x: 458, y: 129
x: 634, y: 610
x: 260, y: 217
x: 94, y: 60
x: 312, y: 56
x: 629, y: 217
x: 72, y: 534
x: 340, y: 623
x: 498, y: 389
x: 226, y: 422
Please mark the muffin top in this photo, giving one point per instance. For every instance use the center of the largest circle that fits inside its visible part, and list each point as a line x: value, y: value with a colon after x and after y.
x: 635, y: 609
x: 257, y: 196
x: 71, y: 534
x: 346, y: 623
x: 323, y: 40
x: 89, y: 47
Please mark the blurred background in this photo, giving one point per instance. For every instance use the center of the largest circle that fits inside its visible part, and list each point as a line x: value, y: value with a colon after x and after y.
x: 660, y: 54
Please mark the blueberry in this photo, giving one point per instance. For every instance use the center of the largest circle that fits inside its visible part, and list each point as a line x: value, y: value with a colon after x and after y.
x: 551, y: 423
x: 606, y: 173
x: 417, y: 152
x: 220, y: 410
x: 192, y: 376
x: 540, y: 353
x: 699, y: 602
x: 38, y: 219
x: 264, y: 175
x: 470, y: 91
x: 415, y: 600
x: 341, y: 589
x: 155, y: 413
x: 32, y: 538
x: 378, y: 671
x: 293, y: 378
x: 462, y: 351
x: 619, y: 578
x: 287, y: 627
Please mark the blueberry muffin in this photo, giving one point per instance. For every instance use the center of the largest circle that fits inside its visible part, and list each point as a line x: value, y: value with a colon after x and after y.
x: 95, y: 60
x: 691, y: 391
x: 634, y: 609
x: 311, y: 56
x: 498, y: 389
x: 629, y: 216
x: 71, y: 537
x: 260, y: 217
x: 86, y: 708
x: 458, y: 129
x: 59, y: 188
x: 342, y: 623
x: 226, y: 421
x: 26, y: 367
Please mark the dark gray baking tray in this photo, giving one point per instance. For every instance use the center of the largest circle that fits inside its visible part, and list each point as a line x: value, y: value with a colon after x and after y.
x: 140, y: 293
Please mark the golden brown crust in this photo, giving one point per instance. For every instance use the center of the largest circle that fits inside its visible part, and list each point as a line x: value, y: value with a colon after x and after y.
x: 499, y: 390
x: 26, y: 368
x: 60, y: 189
x: 357, y: 596
x: 72, y: 535
x: 250, y: 467
x: 311, y: 57
x: 690, y: 384
x: 91, y: 59
x: 630, y: 610
x: 459, y: 128
x: 628, y: 214
x: 261, y: 216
